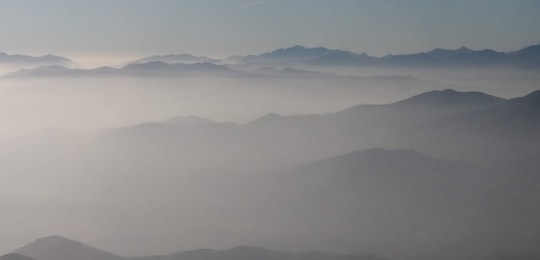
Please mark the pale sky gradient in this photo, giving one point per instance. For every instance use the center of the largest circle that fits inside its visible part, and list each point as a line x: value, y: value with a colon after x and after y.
x: 221, y: 28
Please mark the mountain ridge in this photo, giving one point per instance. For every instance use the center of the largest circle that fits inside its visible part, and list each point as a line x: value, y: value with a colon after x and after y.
x: 527, y: 57
x: 62, y: 248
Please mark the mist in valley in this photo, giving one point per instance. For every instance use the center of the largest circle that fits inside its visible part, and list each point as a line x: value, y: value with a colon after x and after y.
x: 209, y: 161
x: 154, y: 134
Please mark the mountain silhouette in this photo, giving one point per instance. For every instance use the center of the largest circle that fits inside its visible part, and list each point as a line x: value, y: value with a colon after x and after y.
x: 176, y: 58
x: 61, y: 248
x: 508, y: 130
x: 528, y: 57
x: 450, y: 97
x: 295, y: 54
x: 48, y: 59
x: 344, y: 59
x: 383, y: 161
x: 147, y: 69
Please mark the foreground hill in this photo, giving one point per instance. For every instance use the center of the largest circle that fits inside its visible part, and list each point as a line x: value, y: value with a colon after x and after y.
x: 427, y: 205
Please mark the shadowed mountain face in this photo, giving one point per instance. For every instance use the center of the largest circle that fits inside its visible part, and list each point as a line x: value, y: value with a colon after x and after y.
x: 428, y: 205
x: 14, y: 256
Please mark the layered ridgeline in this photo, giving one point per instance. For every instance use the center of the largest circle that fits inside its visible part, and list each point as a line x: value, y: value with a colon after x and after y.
x: 285, y: 62
x: 26, y: 60
x: 61, y: 248
x: 458, y: 177
x: 527, y: 57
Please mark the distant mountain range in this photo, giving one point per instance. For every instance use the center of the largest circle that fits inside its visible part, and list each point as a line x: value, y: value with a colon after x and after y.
x: 164, y: 69
x: 287, y: 62
x: 18, y: 59
x: 176, y: 58
x: 61, y: 248
x: 147, y: 69
x: 528, y: 57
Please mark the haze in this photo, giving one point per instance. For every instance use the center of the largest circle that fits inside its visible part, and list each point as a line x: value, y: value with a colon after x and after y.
x: 363, y: 129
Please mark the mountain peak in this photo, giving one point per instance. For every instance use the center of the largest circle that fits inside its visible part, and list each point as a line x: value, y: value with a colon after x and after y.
x: 298, y: 46
x: 270, y: 117
x: 61, y: 248
x: 464, y: 49
x: 56, y: 238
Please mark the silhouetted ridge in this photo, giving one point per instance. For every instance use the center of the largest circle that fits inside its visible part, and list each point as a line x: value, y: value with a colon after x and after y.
x: 528, y: 51
x: 294, y: 54
x: 45, y: 59
x: 523, y: 106
x: 176, y: 58
x: 450, y: 97
x: 268, y: 118
x: 383, y: 161
x: 299, y: 50
x: 533, y: 98
x: 61, y: 248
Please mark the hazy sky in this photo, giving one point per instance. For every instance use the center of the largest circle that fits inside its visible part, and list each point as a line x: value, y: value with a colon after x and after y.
x: 226, y: 27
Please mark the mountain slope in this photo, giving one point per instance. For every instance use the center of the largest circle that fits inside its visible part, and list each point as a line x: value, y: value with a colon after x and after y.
x: 413, y: 200
x: 506, y: 131
x: 14, y: 256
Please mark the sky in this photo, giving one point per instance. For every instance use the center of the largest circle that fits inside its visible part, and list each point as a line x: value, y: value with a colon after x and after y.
x: 221, y: 28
